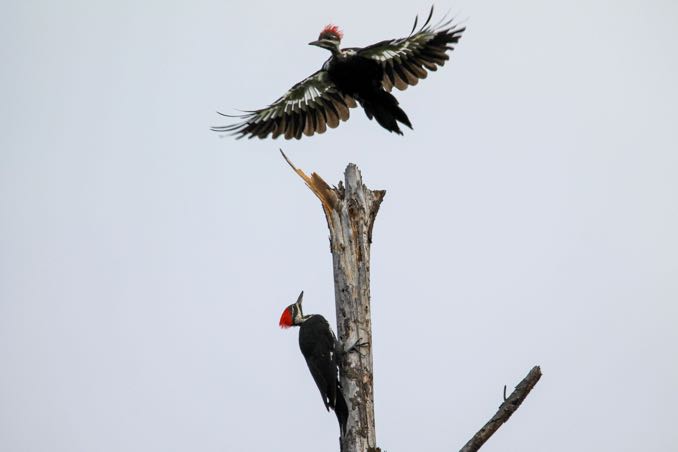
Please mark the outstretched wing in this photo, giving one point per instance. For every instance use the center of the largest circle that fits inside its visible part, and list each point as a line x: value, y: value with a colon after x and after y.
x: 406, y: 60
x: 308, y: 107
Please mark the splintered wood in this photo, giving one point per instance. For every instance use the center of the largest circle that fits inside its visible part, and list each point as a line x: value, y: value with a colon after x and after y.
x: 318, y: 186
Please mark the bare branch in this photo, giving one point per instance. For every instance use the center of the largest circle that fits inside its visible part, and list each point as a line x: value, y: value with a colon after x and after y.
x: 505, y: 411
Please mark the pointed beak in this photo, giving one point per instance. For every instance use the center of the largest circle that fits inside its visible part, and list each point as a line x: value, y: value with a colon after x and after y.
x: 315, y: 43
x: 301, y: 296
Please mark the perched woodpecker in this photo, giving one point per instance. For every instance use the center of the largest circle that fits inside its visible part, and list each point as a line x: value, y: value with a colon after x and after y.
x: 320, y: 348
x: 350, y: 76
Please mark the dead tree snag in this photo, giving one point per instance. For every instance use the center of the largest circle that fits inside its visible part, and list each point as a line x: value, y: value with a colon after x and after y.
x: 350, y: 209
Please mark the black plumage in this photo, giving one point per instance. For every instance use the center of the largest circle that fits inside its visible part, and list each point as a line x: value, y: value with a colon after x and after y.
x: 351, y: 76
x: 366, y: 88
x: 319, y: 347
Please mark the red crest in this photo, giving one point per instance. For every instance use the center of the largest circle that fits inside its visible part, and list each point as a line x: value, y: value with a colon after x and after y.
x: 286, y: 318
x: 333, y: 29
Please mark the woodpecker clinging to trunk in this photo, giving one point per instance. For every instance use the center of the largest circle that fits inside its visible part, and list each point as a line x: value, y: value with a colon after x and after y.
x: 366, y: 75
x: 320, y: 348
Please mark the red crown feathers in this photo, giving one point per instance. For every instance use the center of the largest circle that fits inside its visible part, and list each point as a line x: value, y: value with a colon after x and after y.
x: 329, y: 28
x: 286, y: 318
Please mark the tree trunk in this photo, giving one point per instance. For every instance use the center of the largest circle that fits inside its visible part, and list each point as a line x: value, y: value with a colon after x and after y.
x: 350, y: 223
x: 350, y: 210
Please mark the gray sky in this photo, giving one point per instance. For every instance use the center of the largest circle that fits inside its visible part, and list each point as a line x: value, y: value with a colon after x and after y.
x: 531, y: 218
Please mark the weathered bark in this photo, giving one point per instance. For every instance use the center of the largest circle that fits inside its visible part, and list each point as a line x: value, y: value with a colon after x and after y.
x: 505, y: 411
x: 350, y: 210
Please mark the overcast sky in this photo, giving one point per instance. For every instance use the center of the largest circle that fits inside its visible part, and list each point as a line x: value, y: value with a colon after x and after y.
x: 530, y: 218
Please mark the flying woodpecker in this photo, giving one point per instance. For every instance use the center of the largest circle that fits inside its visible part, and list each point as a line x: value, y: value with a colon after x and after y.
x: 320, y: 348
x: 351, y: 76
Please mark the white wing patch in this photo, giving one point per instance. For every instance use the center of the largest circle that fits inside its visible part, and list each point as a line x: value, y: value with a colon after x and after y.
x: 407, y: 60
x: 308, y: 107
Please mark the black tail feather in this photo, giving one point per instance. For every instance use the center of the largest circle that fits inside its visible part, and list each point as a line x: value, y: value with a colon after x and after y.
x: 341, y: 410
x: 383, y: 106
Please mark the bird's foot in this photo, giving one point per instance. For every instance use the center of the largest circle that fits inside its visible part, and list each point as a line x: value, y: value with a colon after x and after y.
x: 355, y: 347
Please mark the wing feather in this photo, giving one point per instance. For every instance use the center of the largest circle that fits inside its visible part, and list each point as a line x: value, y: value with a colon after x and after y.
x: 320, y: 115
x: 332, y: 115
x: 307, y: 108
x: 407, y: 60
x: 350, y: 102
x: 308, y: 127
